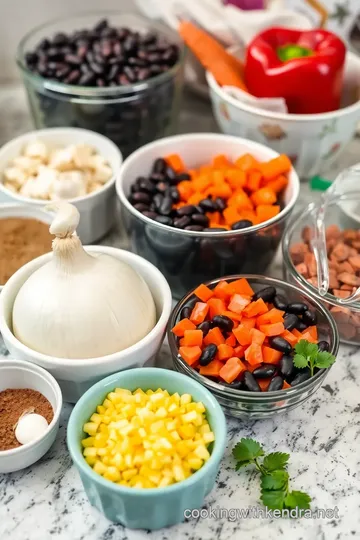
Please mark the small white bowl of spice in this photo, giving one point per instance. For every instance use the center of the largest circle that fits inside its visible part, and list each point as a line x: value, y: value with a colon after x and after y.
x: 70, y: 164
x: 30, y: 405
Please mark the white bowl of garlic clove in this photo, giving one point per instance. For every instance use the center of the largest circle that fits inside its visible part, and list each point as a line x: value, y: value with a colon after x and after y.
x: 72, y: 164
x: 84, y: 313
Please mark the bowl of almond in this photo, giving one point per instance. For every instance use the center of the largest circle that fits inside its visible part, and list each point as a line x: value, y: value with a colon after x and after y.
x: 71, y: 164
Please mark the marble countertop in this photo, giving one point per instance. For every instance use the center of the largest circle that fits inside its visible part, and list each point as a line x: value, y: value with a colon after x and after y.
x: 47, y: 501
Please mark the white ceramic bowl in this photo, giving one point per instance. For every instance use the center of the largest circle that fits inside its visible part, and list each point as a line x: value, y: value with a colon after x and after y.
x: 312, y: 141
x: 98, y: 208
x: 9, y: 210
x: 19, y: 374
x: 76, y: 376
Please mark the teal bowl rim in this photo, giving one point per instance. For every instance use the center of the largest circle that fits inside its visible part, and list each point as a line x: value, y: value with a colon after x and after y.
x: 79, y: 461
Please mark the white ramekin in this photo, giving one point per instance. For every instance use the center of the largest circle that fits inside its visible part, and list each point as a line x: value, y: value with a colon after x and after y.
x: 76, y: 376
x: 20, y: 374
x: 97, y: 209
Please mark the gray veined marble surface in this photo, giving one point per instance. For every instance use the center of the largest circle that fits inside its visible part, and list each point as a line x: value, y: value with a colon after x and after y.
x: 46, y: 501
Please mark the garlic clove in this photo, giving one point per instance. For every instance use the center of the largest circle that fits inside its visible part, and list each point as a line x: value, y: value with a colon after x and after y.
x: 30, y: 427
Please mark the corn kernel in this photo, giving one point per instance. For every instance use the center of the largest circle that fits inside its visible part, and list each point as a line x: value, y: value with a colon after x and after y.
x: 100, y: 468
x: 90, y: 460
x: 112, y: 474
x: 90, y: 428
x: 130, y: 473
x: 208, y: 437
x: 202, y: 452
x: 88, y: 442
x: 89, y: 451
x: 185, y: 399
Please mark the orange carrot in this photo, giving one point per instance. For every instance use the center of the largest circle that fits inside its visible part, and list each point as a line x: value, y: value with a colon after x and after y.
x: 214, y: 336
x: 238, y: 303
x: 190, y: 354
x: 275, y: 167
x: 243, y: 335
x: 232, y: 315
x: 225, y: 352
x: 175, y: 162
x: 254, y: 181
x: 239, y: 351
x: 231, y: 340
x: 264, y: 384
x: 193, y: 338
x: 213, y: 369
x: 272, y: 316
x: 240, y: 286
x: 203, y: 292
x: 257, y: 336
x: 181, y: 326
x: 271, y: 356
x: 253, y: 354
x: 199, y: 312
x: 220, y: 291
x: 264, y: 195
x: 285, y: 385
x: 232, y: 369
x: 290, y: 338
x: 247, y: 162
x: 216, y: 307
x: 274, y: 329
x: 278, y: 184
x: 264, y: 212
x: 248, y: 323
x: 256, y: 308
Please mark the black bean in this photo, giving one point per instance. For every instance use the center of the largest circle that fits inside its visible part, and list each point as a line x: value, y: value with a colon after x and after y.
x: 275, y: 384
x: 159, y: 166
x: 267, y: 294
x: 103, y: 23
x: 264, y: 371
x: 242, y: 224
x: 73, y: 59
x: 166, y: 206
x: 174, y: 194
x: 220, y: 204
x: 123, y: 80
x: 150, y: 214
x: 44, y: 44
x: 130, y: 74
x: 208, y: 354
x: 301, y: 326
x: 186, y: 210
x: 323, y: 346
x: 146, y: 185
x: 141, y: 207
x: 223, y: 322
x: 164, y: 220
x: 157, y: 200
x: 140, y: 197
x: 86, y: 79
x: 31, y: 58
x: 280, y: 344
x: 200, y: 219
x: 250, y: 382
x: 143, y: 74
x: 235, y: 385
x: 280, y: 302
x: 204, y: 327
x: 286, y: 366
x: 302, y: 376
x: 185, y: 312
x: 214, y: 229
x: 183, y: 176
x: 309, y: 317
x: 100, y: 82
x: 290, y: 321
x: 171, y: 174
x: 157, y: 177
x: 73, y: 77
x: 182, y: 222
x: 162, y: 187
x: 207, y: 205
x: 195, y: 228
x: 198, y: 208
x: 296, y: 307
x: 114, y: 71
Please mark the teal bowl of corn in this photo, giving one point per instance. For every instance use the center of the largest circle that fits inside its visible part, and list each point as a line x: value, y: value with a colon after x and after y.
x: 147, y: 443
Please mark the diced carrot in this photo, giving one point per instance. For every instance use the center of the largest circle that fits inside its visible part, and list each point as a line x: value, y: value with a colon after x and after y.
x: 239, y: 351
x: 190, y: 354
x: 241, y: 286
x: 238, y: 303
x: 185, y: 189
x: 175, y: 162
x: 272, y: 316
x: 266, y: 211
x: 274, y: 329
x: 203, y: 292
x: 264, y: 195
x: 220, y: 161
x: 286, y: 385
x: 220, y: 291
x: 195, y: 198
x: 313, y: 331
x: 257, y: 336
x: 232, y: 369
x: 249, y: 323
x: 236, y: 178
x: 222, y: 190
x: 271, y: 356
x: 308, y: 336
x: 216, y: 307
x: 181, y: 326
x: 193, y: 338
x: 273, y: 168
x: 256, y: 308
x: 253, y: 354
x: 290, y: 338
x: 201, y: 183
x: 232, y: 315
x: 296, y: 333
x: 254, y: 180
x: 264, y: 384
x: 181, y: 342
x: 225, y: 352
x: 278, y: 184
x: 214, y: 336
x: 212, y: 370
x: 241, y: 201
x: 247, y: 162
x: 243, y: 335
x: 231, y: 215
x: 199, y: 312
x: 231, y: 341
x: 250, y: 367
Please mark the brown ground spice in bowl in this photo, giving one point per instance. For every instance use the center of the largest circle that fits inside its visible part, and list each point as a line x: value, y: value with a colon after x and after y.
x: 13, y: 403
x: 21, y: 241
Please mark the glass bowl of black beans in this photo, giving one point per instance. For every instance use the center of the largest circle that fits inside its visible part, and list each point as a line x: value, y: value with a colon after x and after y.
x: 179, y: 242
x: 117, y: 74
x: 243, y: 398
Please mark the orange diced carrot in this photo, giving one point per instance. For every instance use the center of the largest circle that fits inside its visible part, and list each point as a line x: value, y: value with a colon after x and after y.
x: 256, y: 308
x: 212, y: 370
x: 190, y: 354
x: 274, y: 329
x: 272, y: 316
x: 232, y: 369
x: 313, y: 331
x: 273, y: 168
x: 308, y: 336
x: 199, y: 312
x: 185, y: 189
x: 251, y: 368
x: 266, y: 211
x: 253, y: 180
x: 181, y: 342
x: 216, y: 307
x: 193, y: 338
x: 257, y: 336
x: 214, y: 336
x: 220, y: 291
x: 264, y: 195
x: 286, y: 385
x: 231, y: 215
x: 233, y: 316
x: 220, y: 161
x: 253, y: 354
x: 225, y: 352
x: 290, y: 338
x: 236, y: 178
x: 175, y: 162
x: 271, y: 356
x: 249, y: 323
x: 243, y: 335
x: 231, y: 341
x: 241, y: 286
x: 278, y: 184
x: 195, y: 198
x: 181, y: 326
x: 238, y: 302
x: 296, y: 333
x: 239, y: 351
x: 247, y: 162
x: 203, y: 292
x: 264, y: 384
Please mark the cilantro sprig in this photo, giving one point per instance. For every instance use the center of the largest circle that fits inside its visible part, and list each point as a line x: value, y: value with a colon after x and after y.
x: 308, y: 355
x: 274, y: 480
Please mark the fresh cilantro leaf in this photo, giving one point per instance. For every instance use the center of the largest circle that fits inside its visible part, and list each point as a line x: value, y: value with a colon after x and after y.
x: 300, y: 361
x: 324, y: 359
x: 275, y: 461
x: 307, y: 349
x: 274, y: 480
x: 247, y: 450
x: 273, y: 499
x: 297, y: 499
x: 240, y: 464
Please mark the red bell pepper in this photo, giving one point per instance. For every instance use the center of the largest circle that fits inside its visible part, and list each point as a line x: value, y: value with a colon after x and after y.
x: 304, y: 67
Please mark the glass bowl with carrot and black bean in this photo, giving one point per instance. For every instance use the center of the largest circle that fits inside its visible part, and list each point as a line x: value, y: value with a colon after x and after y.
x: 260, y: 345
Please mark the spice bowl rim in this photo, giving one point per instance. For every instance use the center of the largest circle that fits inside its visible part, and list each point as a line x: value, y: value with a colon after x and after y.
x: 51, y: 382
x: 98, y: 388
x: 42, y: 135
x: 50, y: 362
x: 193, y: 138
x: 83, y: 92
x: 243, y: 395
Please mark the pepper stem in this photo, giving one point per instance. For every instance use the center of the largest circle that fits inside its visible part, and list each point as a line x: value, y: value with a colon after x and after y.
x: 292, y: 51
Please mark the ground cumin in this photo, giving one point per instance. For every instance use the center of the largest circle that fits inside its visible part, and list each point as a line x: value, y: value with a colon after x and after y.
x: 21, y: 241
x: 13, y: 403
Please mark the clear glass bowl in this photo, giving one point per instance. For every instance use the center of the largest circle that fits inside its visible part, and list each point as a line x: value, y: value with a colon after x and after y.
x: 349, y: 332
x: 129, y: 115
x: 254, y: 405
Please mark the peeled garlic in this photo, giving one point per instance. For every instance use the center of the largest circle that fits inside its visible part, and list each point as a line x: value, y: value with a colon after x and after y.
x: 80, y: 305
x: 30, y: 427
